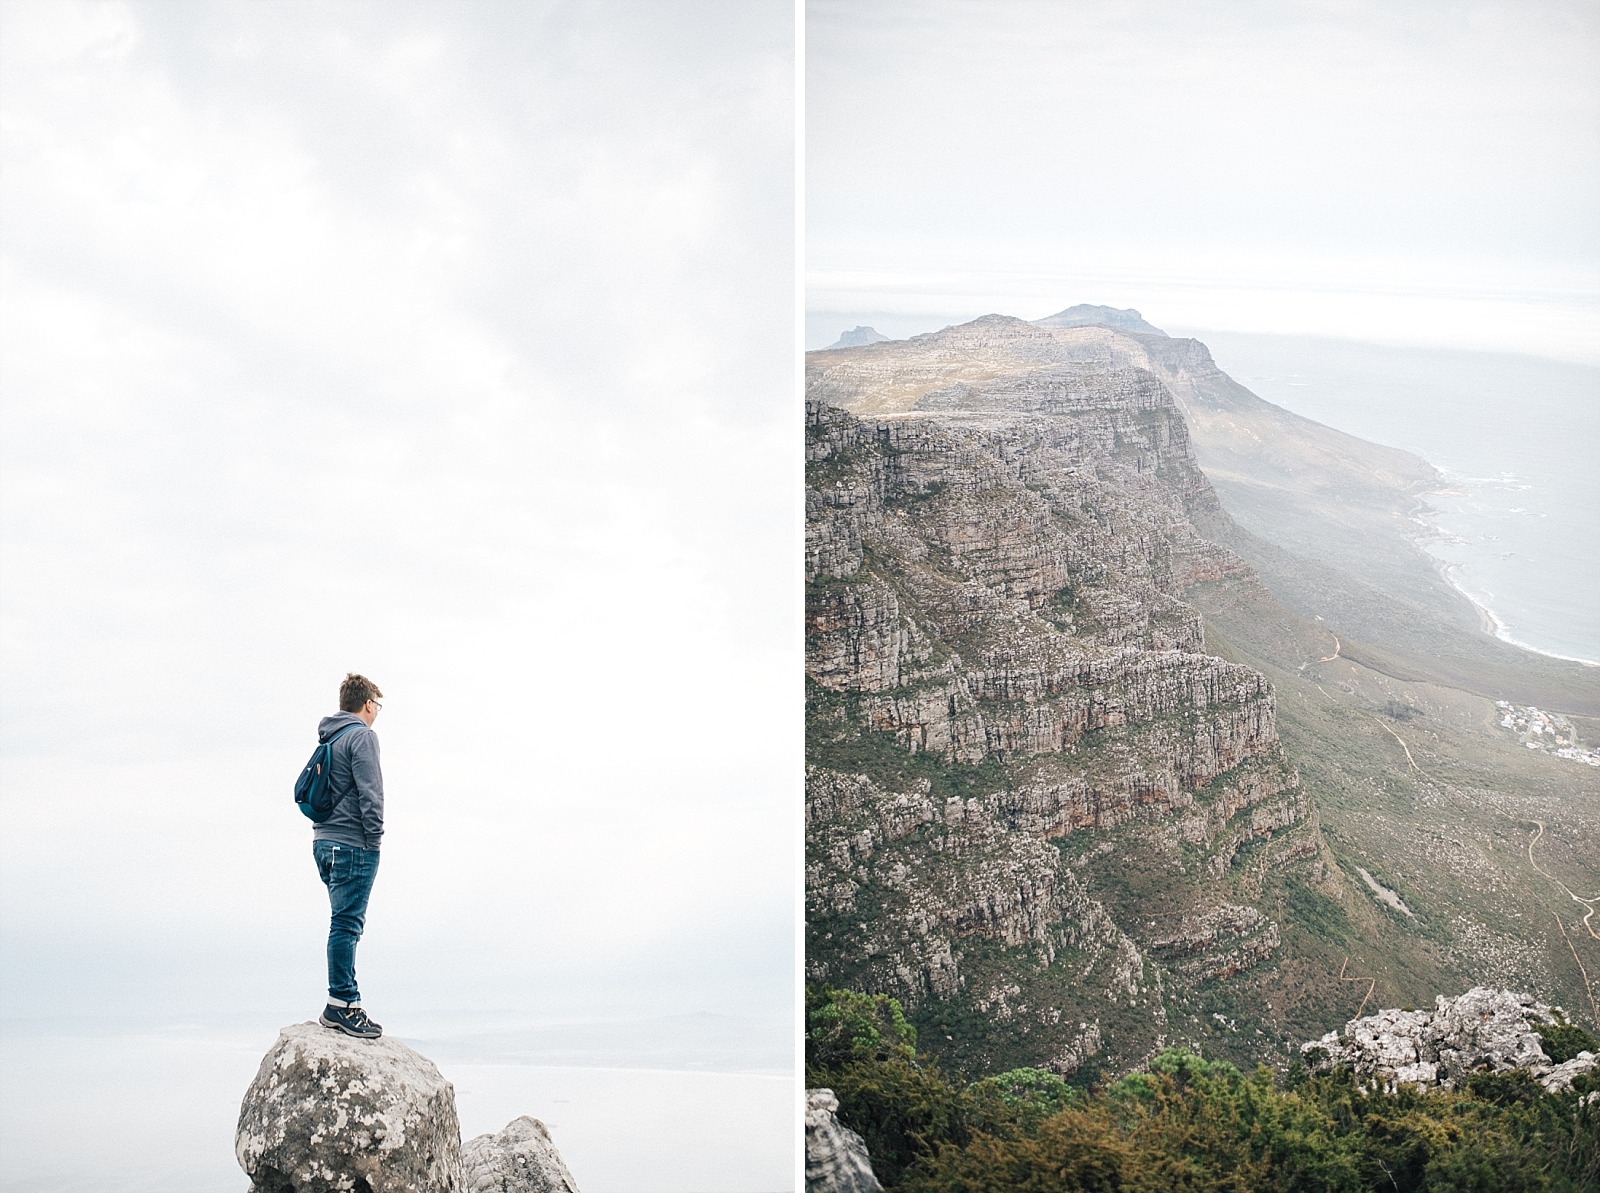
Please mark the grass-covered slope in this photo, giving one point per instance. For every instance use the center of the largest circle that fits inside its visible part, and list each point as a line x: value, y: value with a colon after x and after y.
x: 1460, y: 849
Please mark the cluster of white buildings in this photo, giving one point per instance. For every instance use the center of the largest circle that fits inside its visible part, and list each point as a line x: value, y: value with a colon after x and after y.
x: 1539, y: 730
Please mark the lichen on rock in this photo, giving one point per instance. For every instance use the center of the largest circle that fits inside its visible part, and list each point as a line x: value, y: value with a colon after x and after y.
x: 519, y: 1158
x: 327, y: 1113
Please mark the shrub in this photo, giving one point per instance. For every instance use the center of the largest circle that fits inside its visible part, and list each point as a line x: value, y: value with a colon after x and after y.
x: 843, y: 1026
x: 1563, y: 1041
x: 1185, y: 1124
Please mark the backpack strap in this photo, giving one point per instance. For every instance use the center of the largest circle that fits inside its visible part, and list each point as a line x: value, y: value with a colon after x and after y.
x: 329, y: 744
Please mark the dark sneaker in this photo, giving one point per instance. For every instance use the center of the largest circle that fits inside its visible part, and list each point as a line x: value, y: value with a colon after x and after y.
x: 352, y: 1021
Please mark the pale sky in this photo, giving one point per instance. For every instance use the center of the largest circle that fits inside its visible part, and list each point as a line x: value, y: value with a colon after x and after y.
x: 1423, y: 173
x: 452, y: 344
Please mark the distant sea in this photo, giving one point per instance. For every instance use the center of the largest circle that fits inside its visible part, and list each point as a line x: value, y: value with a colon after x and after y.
x: 1517, y: 439
x: 684, y: 1104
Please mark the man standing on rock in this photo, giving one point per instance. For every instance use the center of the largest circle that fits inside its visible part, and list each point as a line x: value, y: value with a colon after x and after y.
x: 345, y: 845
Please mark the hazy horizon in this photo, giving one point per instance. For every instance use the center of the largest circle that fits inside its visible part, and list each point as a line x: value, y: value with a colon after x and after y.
x: 1365, y: 178
x: 1425, y: 176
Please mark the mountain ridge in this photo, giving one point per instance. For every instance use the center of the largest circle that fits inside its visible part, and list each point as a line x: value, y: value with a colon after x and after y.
x: 1088, y: 314
x: 857, y: 337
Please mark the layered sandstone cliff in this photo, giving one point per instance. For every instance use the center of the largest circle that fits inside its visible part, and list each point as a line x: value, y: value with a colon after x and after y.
x: 1031, y: 789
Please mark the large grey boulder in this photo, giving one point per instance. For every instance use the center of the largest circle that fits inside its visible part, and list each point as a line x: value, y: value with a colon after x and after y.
x: 328, y: 1113
x: 517, y: 1159
x: 836, y: 1157
x: 1483, y: 1029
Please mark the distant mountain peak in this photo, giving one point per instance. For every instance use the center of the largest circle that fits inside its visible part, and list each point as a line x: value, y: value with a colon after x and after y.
x: 858, y: 336
x: 1088, y: 315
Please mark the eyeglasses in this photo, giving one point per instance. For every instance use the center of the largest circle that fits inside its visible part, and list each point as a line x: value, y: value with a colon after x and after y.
x: 374, y: 702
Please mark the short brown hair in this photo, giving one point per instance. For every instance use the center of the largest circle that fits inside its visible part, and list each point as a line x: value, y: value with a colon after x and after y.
x: 355, y: 691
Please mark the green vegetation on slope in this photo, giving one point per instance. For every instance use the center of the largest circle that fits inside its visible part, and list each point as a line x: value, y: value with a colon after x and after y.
x: 1184, y: 1123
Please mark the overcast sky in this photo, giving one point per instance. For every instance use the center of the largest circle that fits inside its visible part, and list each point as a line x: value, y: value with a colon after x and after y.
x: 1422, y: 172
x: 452, y: 344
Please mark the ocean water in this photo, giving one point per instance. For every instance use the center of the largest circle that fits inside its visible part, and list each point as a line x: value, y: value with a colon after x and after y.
x: 1517, y: 439
x: 127, y: 1108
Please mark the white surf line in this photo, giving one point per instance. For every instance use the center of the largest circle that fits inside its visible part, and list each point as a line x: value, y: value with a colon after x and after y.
x: 1488, y: 621
x: 1491, y: 621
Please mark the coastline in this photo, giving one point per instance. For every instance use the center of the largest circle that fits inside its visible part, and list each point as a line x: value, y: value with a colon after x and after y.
x: 1490, y: 621
x: 1425, y: 517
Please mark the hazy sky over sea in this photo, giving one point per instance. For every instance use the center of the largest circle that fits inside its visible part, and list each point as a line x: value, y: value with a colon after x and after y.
x: 1422, y: 173
x: 449, y: 343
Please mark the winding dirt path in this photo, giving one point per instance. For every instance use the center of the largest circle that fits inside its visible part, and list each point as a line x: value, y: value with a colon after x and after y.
x: 1372, y: 984
x: 1587, y: 904
x: 1337, y: 647
x: 1403, y: 746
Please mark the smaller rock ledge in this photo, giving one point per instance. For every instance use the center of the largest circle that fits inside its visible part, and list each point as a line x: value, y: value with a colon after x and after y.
x: 520, y: 1158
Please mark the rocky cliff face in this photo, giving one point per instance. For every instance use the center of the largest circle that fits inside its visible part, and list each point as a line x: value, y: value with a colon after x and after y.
x: 1371, y: 650
x: 1038, y: 811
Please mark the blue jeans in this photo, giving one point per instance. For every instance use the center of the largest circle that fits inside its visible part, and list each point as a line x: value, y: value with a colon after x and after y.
x: 347, y: 872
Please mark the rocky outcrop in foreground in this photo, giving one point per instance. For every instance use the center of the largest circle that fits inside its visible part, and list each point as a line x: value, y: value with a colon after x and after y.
x: 330, y: 1114
x: 836, y: 1157
x: 327, y: 1112
x: 1483, y: 1029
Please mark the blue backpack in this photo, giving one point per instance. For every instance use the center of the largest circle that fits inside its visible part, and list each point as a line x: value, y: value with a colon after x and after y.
x: 311, y: 789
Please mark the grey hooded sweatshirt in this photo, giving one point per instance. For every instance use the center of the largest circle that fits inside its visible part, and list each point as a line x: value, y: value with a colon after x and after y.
x: 355, y: 782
